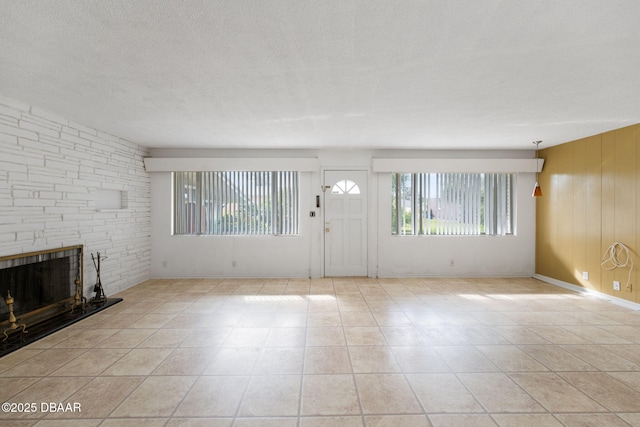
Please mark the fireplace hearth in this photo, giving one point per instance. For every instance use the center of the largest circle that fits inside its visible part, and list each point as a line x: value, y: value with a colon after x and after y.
x: 42, y: 292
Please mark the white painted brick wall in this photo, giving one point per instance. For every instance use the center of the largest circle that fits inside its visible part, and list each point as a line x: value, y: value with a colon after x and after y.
x: 50, y: 171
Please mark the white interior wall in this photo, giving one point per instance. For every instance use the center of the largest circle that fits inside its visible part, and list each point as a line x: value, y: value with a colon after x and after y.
x: 64, y: 184
x: 470, y: 255
x: 227, y: 256
x: 302, y: 256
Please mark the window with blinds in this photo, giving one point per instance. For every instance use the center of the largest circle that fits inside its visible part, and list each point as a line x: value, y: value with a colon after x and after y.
x: 235, y: 203
x: 453, y: 203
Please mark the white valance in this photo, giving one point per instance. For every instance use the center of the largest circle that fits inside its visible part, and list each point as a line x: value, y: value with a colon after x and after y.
x: 196, y: 164
x: 458, y: 165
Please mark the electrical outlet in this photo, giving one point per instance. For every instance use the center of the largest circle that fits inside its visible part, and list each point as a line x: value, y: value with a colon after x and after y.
x: 616, y: 285
x: 585, y: 275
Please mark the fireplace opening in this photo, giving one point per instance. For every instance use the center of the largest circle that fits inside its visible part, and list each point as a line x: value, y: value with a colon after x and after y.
x: 35, y: 286
x: 45, y: 290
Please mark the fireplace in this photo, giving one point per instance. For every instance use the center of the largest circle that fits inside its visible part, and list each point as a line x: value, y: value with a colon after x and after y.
x: 42, y: 284
x: 41, y: 293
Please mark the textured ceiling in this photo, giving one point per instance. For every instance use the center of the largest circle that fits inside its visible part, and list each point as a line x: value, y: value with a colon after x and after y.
x: 328, y: 73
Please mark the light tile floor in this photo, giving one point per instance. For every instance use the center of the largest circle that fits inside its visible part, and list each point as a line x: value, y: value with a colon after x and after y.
x: 335, y: 352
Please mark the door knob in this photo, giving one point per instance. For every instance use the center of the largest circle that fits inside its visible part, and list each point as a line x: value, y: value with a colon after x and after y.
x: 327, y: 229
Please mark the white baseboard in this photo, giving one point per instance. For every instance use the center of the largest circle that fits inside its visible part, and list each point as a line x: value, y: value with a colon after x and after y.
x: 614, y: 300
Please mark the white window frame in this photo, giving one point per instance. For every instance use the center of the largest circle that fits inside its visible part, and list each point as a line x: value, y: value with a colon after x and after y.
x: 239, y: 203
x: 453, y: 204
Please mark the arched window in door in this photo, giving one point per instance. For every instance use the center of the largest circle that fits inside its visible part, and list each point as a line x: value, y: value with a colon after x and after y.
x: 345, y: 186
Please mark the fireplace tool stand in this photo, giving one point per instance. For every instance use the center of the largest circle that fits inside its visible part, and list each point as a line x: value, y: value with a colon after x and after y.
x: 13, y: 325
x: 100, y: 297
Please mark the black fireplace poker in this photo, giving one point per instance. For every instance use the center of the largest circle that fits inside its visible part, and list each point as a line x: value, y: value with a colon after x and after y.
x: 100, y: 296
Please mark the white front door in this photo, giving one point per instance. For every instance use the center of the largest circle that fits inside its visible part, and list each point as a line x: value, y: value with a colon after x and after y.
x: 345, y: 227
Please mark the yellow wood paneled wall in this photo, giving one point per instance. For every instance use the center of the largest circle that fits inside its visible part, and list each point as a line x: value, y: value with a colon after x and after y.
x: 591, y: 199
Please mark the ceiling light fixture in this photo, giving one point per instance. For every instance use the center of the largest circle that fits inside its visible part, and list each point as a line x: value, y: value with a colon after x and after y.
x: 537, y: 192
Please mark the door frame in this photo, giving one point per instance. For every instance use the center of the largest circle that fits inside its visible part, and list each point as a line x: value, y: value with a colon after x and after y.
x: 369, y: 217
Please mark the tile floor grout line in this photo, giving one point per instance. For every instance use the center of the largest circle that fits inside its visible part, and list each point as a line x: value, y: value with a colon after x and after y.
x: 403, y: 302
